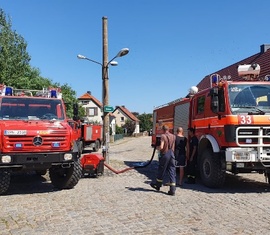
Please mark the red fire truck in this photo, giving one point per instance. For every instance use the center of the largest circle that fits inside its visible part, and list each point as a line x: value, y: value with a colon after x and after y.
x: 36, y: 136
x: 232, y: 123
x: 87, y: 135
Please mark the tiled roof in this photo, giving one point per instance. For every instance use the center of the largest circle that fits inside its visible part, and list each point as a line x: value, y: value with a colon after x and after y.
x: 87, y: 96
x: 126, y: 111
x: 262, y: 58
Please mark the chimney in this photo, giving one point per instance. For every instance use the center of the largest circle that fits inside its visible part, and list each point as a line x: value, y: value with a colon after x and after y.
x: 89, y: 92
x: 264, y: 47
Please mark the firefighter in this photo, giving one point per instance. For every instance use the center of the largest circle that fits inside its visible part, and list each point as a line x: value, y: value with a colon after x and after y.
x: 166, y: 161
x: 192, y: 156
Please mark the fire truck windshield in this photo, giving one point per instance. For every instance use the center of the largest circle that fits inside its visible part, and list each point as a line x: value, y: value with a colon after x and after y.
x: 249, y: 98
x: 26, y: 108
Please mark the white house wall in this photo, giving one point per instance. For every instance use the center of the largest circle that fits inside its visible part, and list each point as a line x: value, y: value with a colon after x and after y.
x: 119, y: 114
x: 98, y: 117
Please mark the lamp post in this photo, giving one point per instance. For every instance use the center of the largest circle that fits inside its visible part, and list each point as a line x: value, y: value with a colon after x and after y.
x: 105, y: 85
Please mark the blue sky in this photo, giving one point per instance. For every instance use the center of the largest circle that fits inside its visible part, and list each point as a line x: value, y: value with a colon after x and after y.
x: 173, y: 44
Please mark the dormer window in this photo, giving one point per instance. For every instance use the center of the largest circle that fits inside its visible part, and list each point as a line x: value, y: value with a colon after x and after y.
x: 85, y: 102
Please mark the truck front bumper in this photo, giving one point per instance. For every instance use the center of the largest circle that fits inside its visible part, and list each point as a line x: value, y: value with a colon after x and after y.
x: 28, y: 159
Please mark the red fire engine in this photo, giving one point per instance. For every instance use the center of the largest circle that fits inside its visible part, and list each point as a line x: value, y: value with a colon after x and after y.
x: 36, y: 136
x: 232, y: 123
x: 87, y: 135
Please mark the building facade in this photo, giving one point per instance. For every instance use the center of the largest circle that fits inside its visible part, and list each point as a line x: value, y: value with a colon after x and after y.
x: 122, y: 115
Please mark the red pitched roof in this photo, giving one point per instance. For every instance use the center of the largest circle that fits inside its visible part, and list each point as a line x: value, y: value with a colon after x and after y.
x: 262, y: 58
x: 126, y: 111
x: 87, y: 96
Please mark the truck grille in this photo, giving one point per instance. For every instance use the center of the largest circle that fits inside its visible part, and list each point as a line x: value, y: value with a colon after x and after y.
x: 253, y: 136
x: 37, y: 142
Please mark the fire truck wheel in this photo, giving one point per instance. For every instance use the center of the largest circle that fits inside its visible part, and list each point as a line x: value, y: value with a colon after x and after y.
x: 66, y: 178
x: 4, y: 180
x: 80, y: 148
x: 267, y: 175
x: 211, y: 172
x: 41, y: 172
x: 97, y: 146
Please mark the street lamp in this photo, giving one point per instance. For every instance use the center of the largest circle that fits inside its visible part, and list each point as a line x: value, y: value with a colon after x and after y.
x: 105, y: 95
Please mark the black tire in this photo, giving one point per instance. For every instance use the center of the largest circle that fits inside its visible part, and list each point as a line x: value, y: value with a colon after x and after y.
x: 97, y: 146
x: 211, y: 172
x: 80, y: 148
x: 4, y: 180
x: 41, y: 172
x: 267, y: 175
x: 66, y: 178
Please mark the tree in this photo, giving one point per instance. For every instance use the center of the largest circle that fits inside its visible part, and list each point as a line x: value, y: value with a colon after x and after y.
x: 14, y: 59
x: 135, y: 114
x: 119, y: 130
x: 146, y: 123
x: 130, y: 127
x: 15, y: 69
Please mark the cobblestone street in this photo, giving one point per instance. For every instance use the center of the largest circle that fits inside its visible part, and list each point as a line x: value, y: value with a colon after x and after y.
x: 126, y: 204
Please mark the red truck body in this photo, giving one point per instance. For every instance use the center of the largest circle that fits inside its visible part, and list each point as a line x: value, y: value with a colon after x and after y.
x: 231, y: 119
x: 86, y: 135
x: 35, y: 136
x: 91, y: 136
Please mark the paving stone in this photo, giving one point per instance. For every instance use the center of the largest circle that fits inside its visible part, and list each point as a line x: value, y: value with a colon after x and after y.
x: 126, y: 204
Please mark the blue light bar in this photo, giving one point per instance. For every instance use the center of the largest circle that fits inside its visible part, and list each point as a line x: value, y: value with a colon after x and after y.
x: 8, y: 91
x: 215, y: 78
x: 53, y: 94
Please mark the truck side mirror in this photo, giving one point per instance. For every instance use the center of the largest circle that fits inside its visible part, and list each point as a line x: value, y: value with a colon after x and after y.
x: 214, y: 100
x: 215, y: 104
x: 75, y: 109
x: 214, y: 91
x: 75, y: 112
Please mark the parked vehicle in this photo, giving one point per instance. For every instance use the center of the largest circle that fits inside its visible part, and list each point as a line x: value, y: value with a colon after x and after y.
x: 36, y: 136
x: 232, y: 123
x: 87, y: 135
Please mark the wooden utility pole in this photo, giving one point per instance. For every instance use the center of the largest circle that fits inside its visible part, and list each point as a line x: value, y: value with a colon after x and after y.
x: 105, y: 89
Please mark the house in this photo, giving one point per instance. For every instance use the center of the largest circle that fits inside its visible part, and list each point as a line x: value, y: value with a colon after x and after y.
x: 92, y: 106
x: 122, y: 114
x: 94, y: 110
x: 112, y: 123
x: 262, y: 58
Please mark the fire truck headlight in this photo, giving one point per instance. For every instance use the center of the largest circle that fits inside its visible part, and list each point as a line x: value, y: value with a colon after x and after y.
x: 6, y: 159
x: 68, y: 156
x: 242, y: 156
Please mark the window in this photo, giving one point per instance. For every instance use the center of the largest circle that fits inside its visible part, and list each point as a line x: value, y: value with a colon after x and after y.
x: 91, y: 112
x: 122, y: 119
x: 200, y: 105
x: 85, y: 102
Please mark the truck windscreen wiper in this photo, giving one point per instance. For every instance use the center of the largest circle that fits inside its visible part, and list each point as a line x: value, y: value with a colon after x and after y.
x: 256, y: 111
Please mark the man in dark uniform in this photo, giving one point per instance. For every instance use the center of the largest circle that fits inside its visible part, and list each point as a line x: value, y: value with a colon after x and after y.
x: 166, y: 161
x: 192, y: 156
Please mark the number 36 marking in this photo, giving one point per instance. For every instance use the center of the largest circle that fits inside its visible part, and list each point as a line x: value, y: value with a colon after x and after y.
x: 243, y: 119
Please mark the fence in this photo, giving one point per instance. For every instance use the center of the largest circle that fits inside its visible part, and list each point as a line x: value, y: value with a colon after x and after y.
x: 118, y: 137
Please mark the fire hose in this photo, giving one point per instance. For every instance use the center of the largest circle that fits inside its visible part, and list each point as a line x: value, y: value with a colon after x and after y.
x: 136, y: 166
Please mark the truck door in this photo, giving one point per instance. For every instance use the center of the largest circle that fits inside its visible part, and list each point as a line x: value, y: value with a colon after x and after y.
x: 198, y: 113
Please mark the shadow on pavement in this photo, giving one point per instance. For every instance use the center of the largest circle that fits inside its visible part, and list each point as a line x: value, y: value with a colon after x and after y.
x: 29, y: 183
x: 149, y: 171
x: 233, y: 183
